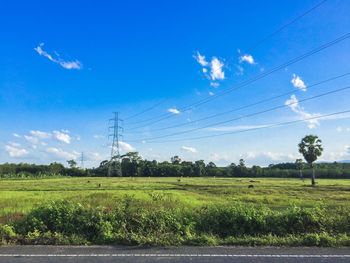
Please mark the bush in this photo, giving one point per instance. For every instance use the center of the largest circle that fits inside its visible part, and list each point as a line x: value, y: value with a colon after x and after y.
x: 7, y: 234
x: 162, y: 223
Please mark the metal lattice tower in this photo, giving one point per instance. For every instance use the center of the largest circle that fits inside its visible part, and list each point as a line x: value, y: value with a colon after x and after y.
x: 82, y: 159
x: 115, y: 130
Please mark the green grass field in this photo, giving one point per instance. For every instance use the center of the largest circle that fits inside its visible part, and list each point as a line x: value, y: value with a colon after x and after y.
x: 17, y: 197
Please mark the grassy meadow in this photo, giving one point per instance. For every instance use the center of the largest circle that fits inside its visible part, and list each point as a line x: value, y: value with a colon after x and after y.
x: 19, y: 196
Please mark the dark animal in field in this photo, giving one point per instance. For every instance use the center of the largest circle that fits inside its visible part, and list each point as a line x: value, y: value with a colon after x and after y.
x: 179, y: 180
x: 88, y: 181
x: 250, y: 186
x: 99, y: 185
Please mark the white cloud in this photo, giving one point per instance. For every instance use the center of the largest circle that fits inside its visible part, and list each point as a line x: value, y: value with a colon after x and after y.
x: 31, y: 139
x: 174, y: 111
x: 247, y: 58
x: 339, y: 155
x: 189, y: 149
x: 216, y: 72
x: 126, y: 147
x: 240, y: 70
x: 98, y: 136
x: 342, y: 129
x: 16, y: 135
x: 14, y: 144
x: 14, y: 150
x: 215, y: 66
x: 219, y: 158
x: 201, y: 59
x: 61, y: 154
x: 75, y: 64
x: 40, y: 134
x: 61, y: 136
x: 293, y: 104
x: 263, y: 157
x: 214, y: 84
x: 298, y: 82
x: 211, y: 93
x: 71, y: 64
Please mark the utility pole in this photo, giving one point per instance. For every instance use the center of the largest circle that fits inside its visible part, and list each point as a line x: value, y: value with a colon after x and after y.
x: 82, y: 160
x: 115, y: 131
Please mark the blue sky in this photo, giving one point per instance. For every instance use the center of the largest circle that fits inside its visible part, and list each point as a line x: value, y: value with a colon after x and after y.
x: 67, y: 65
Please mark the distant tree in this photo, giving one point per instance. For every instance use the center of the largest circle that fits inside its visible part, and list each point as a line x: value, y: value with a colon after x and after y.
x: 242, y: 169
x: 299, y: 163
x: 211, y: 169
x: 199, y: 168
x: 311, y: 148
x: 72, y: 163
x: 175, y: 159
x: 232, y: 169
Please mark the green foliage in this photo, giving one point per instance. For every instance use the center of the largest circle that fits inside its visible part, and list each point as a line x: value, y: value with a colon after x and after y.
x: 157, y: 223
x: 7, y: 234
x: 311, y: 148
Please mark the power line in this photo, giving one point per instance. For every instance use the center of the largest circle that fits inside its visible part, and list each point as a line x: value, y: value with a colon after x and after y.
x: 146, y: 110
x: 249, y: 81
x: 264, y: 39
x: 258, y: 43
x: 250, y: 105
x: 258, y: 128
x: 247, y: 115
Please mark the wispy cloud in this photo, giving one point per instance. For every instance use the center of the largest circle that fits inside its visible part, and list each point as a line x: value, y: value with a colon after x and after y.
x: 298, y: 82
x: 201, y: 59
x: 16, y: 135
x: 216, y: 72
x: 343, y: 129
x: 247, y: 58
x: 268, y: 156
x: 236, y: 128
x: 174, y: 111
x: 15, y: 150
x: 62, y: 154
x: 61, y: 136
x: 293, y: 104
x: 212, y: 70
x: 31, y: 139
x: 73, y: 64
x: 98, y: 136
x: 189, y: 149
x: 214, y: 84
x: 40, y: 134
x: 126, y: 147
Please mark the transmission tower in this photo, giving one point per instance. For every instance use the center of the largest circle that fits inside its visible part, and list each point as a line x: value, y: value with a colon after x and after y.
x: 82, y: 160
x: 115, y: 131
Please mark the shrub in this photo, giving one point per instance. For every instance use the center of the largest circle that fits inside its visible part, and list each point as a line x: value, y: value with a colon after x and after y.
x: 7, y: 234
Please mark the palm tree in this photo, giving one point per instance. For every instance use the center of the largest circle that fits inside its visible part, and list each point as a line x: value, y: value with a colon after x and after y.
x: 300, y: 165
x: 311, y: 148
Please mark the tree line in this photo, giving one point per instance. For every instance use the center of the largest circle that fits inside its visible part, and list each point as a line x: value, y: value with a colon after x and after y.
x: 132, y: 165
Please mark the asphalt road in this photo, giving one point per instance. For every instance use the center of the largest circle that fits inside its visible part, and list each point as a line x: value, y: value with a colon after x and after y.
x: 96, y: 254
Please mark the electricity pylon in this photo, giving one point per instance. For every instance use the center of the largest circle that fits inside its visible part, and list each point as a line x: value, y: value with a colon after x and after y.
x: 115, y: 131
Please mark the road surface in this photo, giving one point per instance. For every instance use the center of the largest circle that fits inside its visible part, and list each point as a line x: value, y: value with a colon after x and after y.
x: 97, y: 254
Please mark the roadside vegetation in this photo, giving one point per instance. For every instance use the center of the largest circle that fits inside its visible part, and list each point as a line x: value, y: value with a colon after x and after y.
x: 165, y: 222
x: 217, y: 208
x: 175, y: 211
